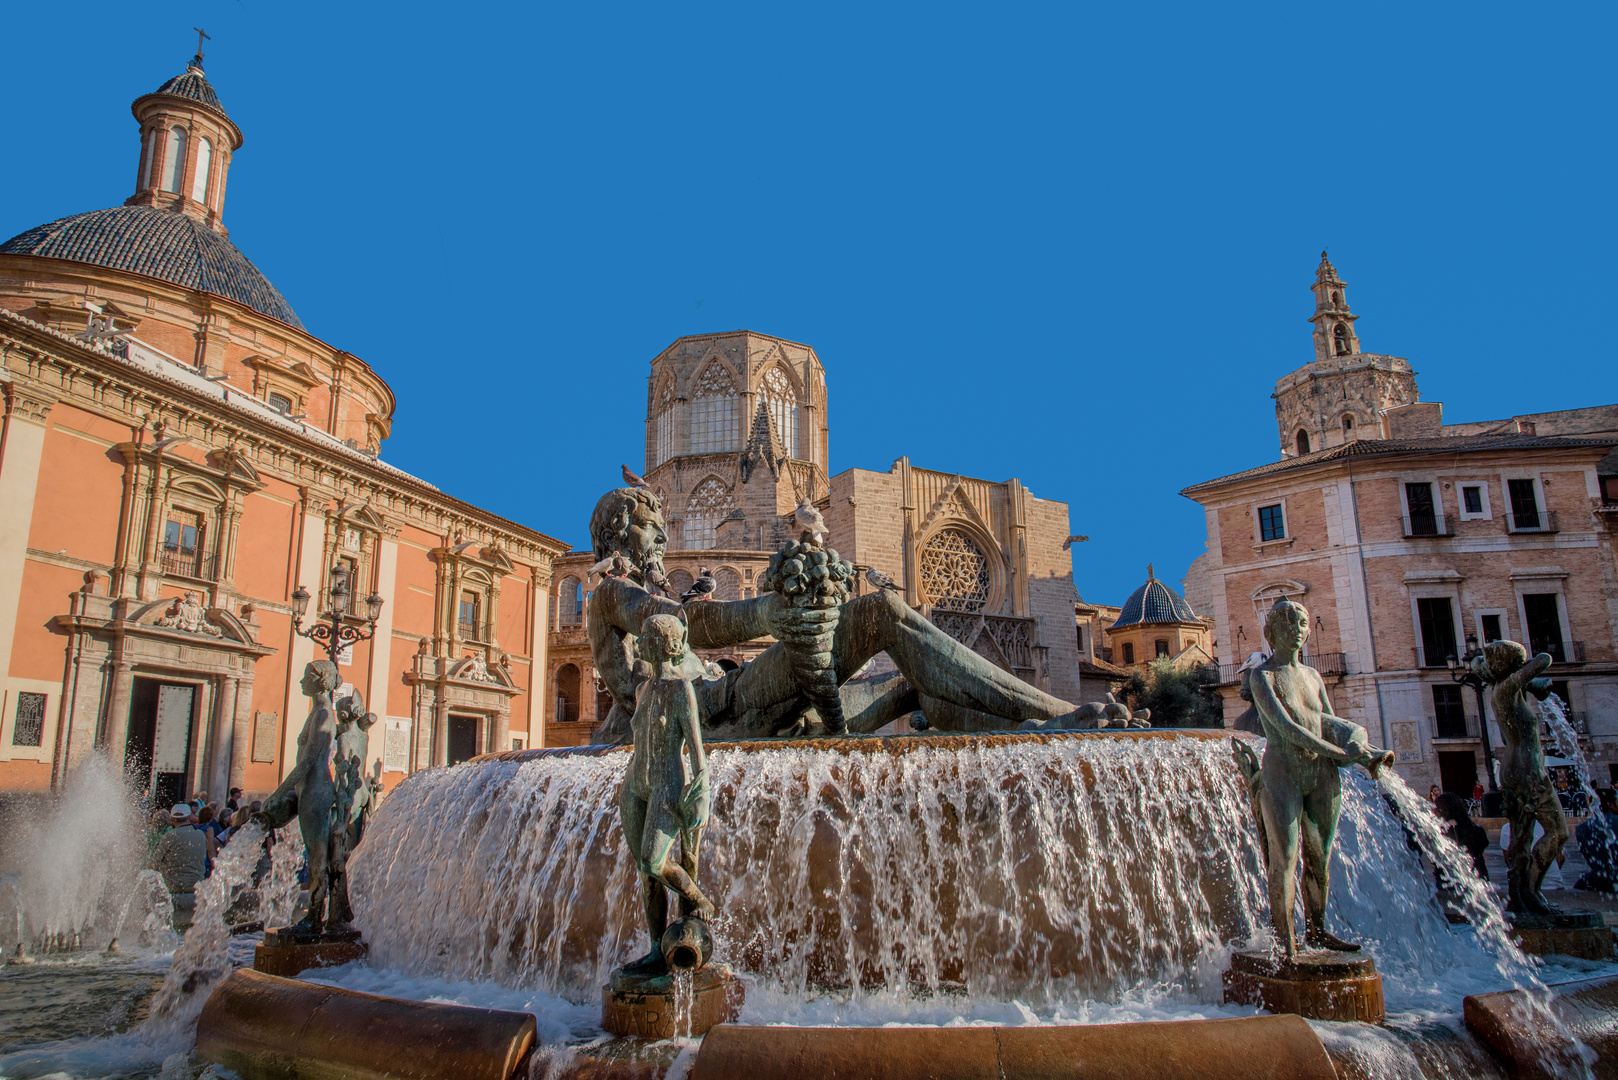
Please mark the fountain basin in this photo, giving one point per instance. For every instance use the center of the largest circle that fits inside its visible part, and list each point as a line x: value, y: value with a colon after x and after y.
x: 262, y: 1026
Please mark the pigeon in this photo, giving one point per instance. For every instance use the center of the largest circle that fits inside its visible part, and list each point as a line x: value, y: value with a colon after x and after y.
x: 701, y: 588
x: 880, y: 580
x: 631, y: 479
x: 611, y: 566
x: 656, y: 579
x: 809, y: 520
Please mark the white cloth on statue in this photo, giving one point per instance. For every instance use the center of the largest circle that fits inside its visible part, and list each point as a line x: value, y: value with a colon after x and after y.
x: 1553, y: 876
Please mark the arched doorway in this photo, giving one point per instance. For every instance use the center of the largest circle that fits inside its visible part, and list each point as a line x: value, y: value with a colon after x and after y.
x: 567, y: 694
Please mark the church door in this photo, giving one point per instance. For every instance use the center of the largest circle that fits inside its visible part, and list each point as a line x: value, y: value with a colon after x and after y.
x: 463, y: 738
x: 158, y: 751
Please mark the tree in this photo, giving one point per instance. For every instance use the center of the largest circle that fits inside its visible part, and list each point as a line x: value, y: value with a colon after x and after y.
x: 1175, y: 696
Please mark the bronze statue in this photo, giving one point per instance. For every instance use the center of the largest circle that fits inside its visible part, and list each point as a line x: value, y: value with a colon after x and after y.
x: 958, y: 689
x: 1301, y: 796
x: 665, y: 794
x: 310, y: 791
x: 357, y: 793
x: 1529, y: 796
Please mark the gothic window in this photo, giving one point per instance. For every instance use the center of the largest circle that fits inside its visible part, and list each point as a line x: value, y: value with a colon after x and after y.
x: 1337, y: 298
x: 663, y: 424
x: 727, y: 584
x: 199, y: 182
x: 570, y: 601
x: 1303, y: 443
x: 1340, y: 337
x: 567, y: 694
x: 713, y: 412
x: 1348, y: 421
x: 954, y: 572
x: 174, y: 160
x: 710, y: 502
x: 781, y: 402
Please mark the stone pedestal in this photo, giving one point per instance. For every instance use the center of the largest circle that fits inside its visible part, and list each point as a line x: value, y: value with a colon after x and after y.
x: 1572, y: 933
x: 286, y: 953
x: 666, y: 1006
x: 1319, y: 984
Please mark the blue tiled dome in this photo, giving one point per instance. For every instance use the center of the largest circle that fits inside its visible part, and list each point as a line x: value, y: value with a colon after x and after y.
x: 1154, y: 602
x: 160, y: 244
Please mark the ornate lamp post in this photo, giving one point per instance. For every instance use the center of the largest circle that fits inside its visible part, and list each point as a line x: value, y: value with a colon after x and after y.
x: 332, y: 633
x: 1461, y: 671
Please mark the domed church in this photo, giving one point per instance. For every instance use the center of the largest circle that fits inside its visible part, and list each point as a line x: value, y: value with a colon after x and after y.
x: 192, y: 480
x: 1156, y: 623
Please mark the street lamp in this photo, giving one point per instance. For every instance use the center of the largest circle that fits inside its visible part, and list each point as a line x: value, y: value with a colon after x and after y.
x: 1461, y: 671
x: 331, y: 632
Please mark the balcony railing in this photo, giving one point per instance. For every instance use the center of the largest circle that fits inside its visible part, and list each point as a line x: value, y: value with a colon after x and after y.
x: 1425, y: 661
x: 1455, y: 727
x: 1334, y: 663
x: 189, y: 564
x: 1540, y: 521
x: 1417, y: 525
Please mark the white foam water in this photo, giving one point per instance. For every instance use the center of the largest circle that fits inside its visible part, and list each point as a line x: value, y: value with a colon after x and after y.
x: 930, y: 884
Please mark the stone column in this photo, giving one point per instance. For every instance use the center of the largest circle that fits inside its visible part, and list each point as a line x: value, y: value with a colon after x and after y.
x: 440, y: 727
x: 502, y: 730
x: 120, y: 689
x: 222, y: 735
x: 382, y: 674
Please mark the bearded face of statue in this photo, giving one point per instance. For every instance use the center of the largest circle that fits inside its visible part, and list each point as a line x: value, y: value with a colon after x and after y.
x: 643, y: 538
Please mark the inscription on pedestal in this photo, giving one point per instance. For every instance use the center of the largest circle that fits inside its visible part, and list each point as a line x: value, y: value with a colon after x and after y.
x: 1319, y: 984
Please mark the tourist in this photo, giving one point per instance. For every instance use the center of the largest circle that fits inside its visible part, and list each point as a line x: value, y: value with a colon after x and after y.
x: 1432, y: 794
x: 1472, y: 837
x: 234, y: 802
x: 182, y: 858
x: 201, y: 823
x: 1598, y: 842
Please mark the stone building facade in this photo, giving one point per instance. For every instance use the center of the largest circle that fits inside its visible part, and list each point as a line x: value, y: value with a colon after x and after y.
x: 178, y: 455
x: 1411, y: 541
x: 736, y: 440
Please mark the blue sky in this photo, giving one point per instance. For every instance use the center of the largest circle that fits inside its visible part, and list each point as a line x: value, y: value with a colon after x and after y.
x: 1070, y: 244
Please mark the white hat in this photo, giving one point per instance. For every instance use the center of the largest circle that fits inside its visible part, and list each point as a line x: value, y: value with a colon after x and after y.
x: 181, y: 812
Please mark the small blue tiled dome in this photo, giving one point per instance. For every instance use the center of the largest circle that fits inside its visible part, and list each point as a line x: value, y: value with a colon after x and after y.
x: 1154, y: 602
x: 160, y: 244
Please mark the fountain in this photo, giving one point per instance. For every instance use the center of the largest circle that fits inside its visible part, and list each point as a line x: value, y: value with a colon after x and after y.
x: 1018, y: 890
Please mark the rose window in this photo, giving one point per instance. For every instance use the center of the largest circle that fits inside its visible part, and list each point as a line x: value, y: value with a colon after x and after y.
x: 954, y: 572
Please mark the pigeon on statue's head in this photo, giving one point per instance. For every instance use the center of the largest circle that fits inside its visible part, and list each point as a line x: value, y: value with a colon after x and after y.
x: 809, y: 520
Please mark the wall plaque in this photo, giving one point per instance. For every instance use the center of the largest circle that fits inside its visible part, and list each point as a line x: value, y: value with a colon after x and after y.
x: 1406, y: 742
x: 396, y: 744
x: 266, y: 735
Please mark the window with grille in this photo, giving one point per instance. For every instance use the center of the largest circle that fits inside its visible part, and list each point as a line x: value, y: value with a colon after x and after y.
x: 781, y: 402
x: 281, y: 404
x: 1272, y: 523
x: 182, y: 542
x: 1423, y: 515
x: 710, y: 503
x: 713, y: 412
x: 30, y: 727
x: 470, y: 615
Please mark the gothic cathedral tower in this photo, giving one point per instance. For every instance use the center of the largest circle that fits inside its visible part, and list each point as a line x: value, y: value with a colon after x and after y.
x: 1342, y: 395
x: 736, y: 438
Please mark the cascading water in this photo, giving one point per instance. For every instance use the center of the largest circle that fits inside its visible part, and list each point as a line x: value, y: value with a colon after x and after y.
x: 1554, y: 713
x: 1046, y: 871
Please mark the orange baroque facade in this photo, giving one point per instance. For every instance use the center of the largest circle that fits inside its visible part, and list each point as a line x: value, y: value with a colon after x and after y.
x: 178, y: 455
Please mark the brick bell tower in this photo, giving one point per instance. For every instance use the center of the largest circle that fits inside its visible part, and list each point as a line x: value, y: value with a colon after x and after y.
x: 186, y: 142
x: 1342, y: 395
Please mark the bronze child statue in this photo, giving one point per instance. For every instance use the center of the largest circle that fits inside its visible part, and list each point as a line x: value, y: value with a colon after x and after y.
x: 665, y: 794
x: 1301, y: 796
x: 1530, y: 797
x: 310, y: 790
